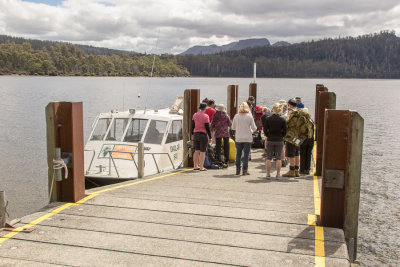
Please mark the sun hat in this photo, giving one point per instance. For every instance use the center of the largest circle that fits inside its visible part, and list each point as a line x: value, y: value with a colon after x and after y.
x: 221, y: 107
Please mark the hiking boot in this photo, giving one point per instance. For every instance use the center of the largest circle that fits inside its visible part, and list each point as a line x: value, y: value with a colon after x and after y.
x: 290, y: 173
x: 297, y: 173
x: 237, y: 171
x: 245, y: 172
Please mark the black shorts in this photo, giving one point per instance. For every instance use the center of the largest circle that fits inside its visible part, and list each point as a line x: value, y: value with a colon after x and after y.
x: 274, y: 148
x: 200, y: 141
x: 292, y: 150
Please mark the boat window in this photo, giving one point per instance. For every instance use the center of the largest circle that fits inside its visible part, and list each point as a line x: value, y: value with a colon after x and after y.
x: 101, y: 129
x: 135, y: 130
x: 175, y: 132
x: 117, y: 129
x: 155, y: 132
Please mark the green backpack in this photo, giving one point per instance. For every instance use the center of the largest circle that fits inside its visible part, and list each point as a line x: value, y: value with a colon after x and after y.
x: 299, y: 127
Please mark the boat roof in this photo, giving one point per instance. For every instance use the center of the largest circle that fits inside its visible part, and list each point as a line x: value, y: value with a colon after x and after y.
x: 155, y: 114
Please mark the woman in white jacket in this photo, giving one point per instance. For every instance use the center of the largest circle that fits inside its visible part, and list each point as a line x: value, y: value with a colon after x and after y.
x: 244, y: 126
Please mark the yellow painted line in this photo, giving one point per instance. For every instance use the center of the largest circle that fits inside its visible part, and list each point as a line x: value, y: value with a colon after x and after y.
x: 319, y: 231
x: 312, y: 219
x: 319, y: 241
x: 66, y: 205
x: 139, y: 182
x: 35, y: 222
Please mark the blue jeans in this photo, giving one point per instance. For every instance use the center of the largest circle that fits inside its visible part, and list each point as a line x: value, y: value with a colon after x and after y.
x: 239, y: 148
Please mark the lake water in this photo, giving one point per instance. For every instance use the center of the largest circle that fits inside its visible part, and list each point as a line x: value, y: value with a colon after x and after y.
x: 23, y: 135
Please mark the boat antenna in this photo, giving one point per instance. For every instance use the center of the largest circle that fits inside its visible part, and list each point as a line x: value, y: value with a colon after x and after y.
x: 152, y: 69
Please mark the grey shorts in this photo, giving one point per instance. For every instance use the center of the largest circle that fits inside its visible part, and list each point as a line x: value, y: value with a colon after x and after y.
x: 274, y: 148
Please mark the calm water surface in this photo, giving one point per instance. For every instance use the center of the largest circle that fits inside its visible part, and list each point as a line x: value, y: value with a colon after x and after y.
x: 23, y: 136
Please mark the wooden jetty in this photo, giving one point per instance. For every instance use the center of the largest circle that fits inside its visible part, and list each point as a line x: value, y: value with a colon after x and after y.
x: 183, y: 218
x: 196, y: 218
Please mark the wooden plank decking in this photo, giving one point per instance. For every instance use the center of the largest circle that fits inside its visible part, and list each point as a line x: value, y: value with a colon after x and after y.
x: 184, y: 219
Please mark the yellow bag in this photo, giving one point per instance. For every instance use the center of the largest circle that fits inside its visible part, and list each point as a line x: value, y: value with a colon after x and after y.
x: 232, y: 149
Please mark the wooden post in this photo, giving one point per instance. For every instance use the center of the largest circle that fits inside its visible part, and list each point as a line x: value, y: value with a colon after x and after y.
x: 232, y: 101
x: 253, y: 91
x: 353, y: 184
x: 140, y: 150
x: 327, y: 100
x: 319, y: 88
x: 65, y: 131
x: 341, y: 174
x: 3, y: 218
x: 191, y: 104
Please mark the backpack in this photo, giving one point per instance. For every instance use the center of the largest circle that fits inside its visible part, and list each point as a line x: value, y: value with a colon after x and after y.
x: 299, y: 127
x: 257, y: 117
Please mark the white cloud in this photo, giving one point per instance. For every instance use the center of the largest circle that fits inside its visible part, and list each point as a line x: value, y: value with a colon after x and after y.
x: 179, y: 24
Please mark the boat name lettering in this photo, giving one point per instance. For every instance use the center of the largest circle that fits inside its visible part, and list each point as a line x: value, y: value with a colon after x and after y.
x: 175, y: 148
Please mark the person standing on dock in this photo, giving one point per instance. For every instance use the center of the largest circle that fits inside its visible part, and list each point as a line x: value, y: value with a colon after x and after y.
x: 299, y: 104
x: 200, y: 130
x: 221, y: 123
x: 274, y: 129
x: 251, y: 102
x: 292, y: 149
x: 306, y: 151
x: 210, y: 111
x: 244, y: 126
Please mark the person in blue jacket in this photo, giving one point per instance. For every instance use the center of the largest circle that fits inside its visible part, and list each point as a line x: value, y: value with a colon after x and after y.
x: 299, y: 103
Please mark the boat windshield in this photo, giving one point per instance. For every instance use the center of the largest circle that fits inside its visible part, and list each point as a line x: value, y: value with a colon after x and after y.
x: 101, y: 129
x: 156, y: 131
x: 135, y: 130
x: 175, y: 132
x: 117, y: 129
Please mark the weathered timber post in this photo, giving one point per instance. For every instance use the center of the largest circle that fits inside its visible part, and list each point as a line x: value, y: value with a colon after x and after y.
x: 326, y: 100
x: 318, y: 88
x: 253, y: 91
x: 341, y: 174
x: 65, y: 131
x: 3, y: 218
x: 232, y: 101
x: 140, y: 150
x: 191, y: 104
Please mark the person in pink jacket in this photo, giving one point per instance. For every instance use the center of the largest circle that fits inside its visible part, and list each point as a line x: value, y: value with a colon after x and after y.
x: 220, y: 124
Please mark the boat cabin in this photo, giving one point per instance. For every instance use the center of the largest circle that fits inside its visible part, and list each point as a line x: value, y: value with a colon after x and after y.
x: 110, y: 151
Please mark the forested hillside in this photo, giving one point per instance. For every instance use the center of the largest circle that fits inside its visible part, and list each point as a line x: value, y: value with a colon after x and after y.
x: 367, y: 56
x: 66, y: 59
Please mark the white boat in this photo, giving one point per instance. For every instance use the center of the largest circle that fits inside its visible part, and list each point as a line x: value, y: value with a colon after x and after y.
x: 111, y: 150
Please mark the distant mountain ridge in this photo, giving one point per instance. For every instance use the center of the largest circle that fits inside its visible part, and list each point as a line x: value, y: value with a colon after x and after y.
x: 87, y: 49
x: 213, y: 49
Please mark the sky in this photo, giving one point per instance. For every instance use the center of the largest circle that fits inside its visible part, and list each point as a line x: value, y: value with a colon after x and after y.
x: 173, y: 26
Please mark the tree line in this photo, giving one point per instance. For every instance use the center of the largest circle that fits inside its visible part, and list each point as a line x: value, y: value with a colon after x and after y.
x: 368, y: 56
x: 67, y: 59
